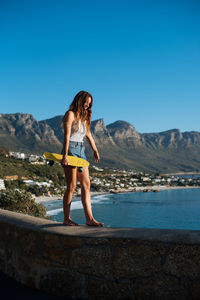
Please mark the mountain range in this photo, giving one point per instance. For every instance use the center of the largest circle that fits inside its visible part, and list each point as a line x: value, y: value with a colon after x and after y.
x: 119, y: 144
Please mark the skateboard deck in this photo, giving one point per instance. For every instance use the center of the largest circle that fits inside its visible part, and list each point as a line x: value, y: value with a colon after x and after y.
x: 73, y: 160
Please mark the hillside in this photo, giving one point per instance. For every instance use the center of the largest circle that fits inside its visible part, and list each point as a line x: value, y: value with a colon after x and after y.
x: 119, y: 144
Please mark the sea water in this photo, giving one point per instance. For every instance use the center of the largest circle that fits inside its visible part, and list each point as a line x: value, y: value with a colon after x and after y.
x: 171, y: 209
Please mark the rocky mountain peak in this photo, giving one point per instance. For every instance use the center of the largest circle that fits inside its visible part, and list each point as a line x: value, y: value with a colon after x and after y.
x: 55, y: 124
x: 25, y: 129
x: 100, y: 131
x: 120, y: 124
x: 171, y: 131
x: 19, y: 116
x: 124, y: 132
x: 98, y: 125
x: 116, y: 142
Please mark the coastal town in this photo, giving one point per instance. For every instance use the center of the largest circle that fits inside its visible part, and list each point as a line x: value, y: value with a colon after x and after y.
x: 102, y: 180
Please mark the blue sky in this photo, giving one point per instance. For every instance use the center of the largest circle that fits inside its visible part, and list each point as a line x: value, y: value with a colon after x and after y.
x: 139, y: 59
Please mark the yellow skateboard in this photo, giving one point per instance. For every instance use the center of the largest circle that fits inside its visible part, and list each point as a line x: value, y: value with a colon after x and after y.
x: 73, y: 160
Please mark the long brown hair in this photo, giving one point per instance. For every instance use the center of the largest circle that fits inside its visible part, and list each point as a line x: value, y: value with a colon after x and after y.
x: 77, y: 106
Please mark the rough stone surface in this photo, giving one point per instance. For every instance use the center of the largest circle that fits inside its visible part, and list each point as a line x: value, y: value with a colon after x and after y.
x: 42, y: 262
x: 183, y: 260
x: 56, y: 256
x: 71, y: 242
x: 100, y: 263
x: 109, y: 290
x: 63, y: 283
x: 2, y: 264
x: 92, y: 261
x: 96, y: 242
x: 119, y: 242
x: 195, y: 291
x: 27, y: 242
x: 51, y: 241
x: 138, y: 260
x: 23, y: 264
x: 2, y: 253
x: 161, y: 288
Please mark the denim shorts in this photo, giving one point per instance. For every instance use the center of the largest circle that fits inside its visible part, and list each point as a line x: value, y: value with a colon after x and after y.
x: 77, y: 149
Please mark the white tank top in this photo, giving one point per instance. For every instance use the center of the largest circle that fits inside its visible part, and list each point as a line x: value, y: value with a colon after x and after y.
x: 77, y: 135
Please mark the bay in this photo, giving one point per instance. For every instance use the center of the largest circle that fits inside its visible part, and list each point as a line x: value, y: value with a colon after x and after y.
x: 169, y: 209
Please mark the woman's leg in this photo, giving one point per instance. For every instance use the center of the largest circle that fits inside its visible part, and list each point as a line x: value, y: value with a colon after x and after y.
x: 70, y: 176
x: 85, y: 197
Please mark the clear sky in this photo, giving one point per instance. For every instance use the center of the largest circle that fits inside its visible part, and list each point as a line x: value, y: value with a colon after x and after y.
x: 139, y: 59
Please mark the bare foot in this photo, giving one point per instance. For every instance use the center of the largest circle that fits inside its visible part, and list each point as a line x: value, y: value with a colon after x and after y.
x: 69, y: 222
x: 93, y: 222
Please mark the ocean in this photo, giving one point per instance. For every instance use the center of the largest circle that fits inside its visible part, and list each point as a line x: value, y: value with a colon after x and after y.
x: 169, y: 209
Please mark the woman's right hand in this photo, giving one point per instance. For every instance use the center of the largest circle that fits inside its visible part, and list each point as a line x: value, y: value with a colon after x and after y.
x: 64, y: 161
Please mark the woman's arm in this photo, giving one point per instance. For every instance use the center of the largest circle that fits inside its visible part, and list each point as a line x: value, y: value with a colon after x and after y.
x: 69, y: 118
x: 93, y: 146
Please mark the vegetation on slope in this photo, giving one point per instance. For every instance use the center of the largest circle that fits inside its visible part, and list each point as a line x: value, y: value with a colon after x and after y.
x: 10, y: 166
x: 22, y: 202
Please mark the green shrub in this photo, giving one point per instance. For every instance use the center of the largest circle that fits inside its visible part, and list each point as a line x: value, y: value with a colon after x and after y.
x: 22, y: 202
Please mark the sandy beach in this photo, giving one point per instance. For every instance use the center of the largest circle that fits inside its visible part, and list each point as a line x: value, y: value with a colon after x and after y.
x: 156, y: 188
x: 41, y: 199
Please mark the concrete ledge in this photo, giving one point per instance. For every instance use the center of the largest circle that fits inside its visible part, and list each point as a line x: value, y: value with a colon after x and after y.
x: 43, y: 225
x: 100, y: 263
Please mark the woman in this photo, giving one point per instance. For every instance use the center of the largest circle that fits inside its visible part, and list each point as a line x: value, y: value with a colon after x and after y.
x: 76, y: 123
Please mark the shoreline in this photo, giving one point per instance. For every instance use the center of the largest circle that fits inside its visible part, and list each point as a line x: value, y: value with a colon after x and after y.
x: 180, y: 173
x: 156, y: 188
x: 165, y: 187
x: 41, y: 199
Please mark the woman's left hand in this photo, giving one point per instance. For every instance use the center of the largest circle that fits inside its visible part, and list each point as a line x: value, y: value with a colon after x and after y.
x: 96, y: 156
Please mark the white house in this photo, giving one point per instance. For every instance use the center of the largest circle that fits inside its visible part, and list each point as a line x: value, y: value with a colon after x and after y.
x: 33, y: 158
x: 2, y: 185
x: 32, y: 182
x: 20, y: 155
x: 97, y: 169
x: 145, y: 179
x: 157, y: 180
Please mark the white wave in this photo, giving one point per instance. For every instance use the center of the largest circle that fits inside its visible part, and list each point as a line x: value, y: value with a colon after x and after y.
x: 54, y: 212
x: 100, y: 197
x: 76, y: 205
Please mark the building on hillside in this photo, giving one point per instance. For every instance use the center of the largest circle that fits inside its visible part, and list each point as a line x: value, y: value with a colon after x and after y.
x: 40, y: 184
x: 18, y: 155
x: 11, y: 153
x: 37, y: 162
x: 97, y: 169
x: 2, y: 184
x: 29, y: 182
x: 12, y: 177
x: 33, y: 158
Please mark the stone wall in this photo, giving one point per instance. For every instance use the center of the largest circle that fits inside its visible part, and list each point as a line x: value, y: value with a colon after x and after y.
x: 100, y: 263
